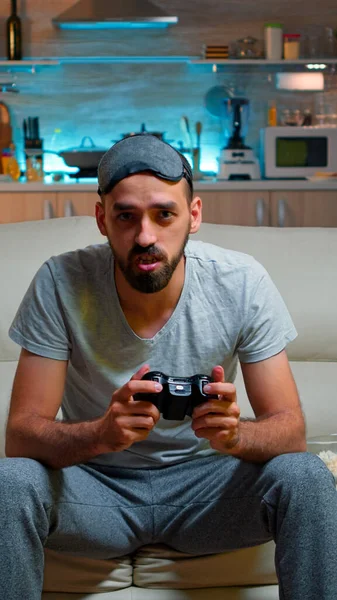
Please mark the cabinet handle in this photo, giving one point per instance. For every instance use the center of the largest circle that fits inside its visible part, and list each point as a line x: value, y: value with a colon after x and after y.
x: 281, y: 212
x: 68, y: 209
x: 259, y: 211
x: 48, y: 212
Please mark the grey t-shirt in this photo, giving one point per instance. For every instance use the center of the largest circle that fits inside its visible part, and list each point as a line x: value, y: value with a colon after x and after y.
x: 229, y: 309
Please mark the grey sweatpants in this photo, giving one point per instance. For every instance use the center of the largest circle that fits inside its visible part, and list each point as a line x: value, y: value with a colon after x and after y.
x: 202, y: 506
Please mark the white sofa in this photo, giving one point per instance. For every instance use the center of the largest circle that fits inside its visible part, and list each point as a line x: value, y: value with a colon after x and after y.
x: 303, y: 264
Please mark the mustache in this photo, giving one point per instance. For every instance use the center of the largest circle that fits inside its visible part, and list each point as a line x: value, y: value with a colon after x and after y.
x: 149, y: 250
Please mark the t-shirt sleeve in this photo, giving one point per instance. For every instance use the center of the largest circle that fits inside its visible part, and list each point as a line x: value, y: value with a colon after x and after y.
x: 39, y: 324
x: 267, y: 326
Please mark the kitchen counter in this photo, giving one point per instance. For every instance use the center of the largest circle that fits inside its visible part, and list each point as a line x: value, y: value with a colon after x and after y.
x: 199, y: 186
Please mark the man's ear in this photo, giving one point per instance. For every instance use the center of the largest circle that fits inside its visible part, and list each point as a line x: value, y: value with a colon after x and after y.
x: 196, y: 214
x: 100, y: 218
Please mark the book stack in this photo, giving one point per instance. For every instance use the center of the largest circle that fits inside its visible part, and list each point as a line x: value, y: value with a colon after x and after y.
x: 216, y: 52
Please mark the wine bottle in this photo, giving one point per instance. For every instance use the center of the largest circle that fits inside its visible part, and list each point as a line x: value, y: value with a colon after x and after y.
x: 14, y: 50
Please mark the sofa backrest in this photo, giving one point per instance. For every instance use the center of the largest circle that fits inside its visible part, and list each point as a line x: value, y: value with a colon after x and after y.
x: 302, y: 263
x: 23, y: 248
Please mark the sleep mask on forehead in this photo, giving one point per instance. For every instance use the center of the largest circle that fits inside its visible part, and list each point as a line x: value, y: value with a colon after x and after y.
x: 139, y: 153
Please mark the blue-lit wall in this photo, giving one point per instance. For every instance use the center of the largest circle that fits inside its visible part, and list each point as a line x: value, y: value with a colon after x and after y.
x: 105, y: 100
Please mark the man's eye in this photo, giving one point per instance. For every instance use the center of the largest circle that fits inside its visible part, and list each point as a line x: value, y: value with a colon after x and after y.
x: 166, y: 214
x: 124, y: 216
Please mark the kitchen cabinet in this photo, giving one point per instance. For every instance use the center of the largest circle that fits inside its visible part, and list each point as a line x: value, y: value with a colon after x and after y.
x: 236, y: 208
x: 72, y: 204
x: 281, y: 208
x: 28, y: 206
x: 303, y: 209
x: 275, y: 209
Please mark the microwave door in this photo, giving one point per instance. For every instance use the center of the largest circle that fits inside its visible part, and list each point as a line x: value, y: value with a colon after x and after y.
x: 301, y: 152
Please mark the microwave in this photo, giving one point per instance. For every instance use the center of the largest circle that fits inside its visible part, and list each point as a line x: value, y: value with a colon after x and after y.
x: 298, y: 152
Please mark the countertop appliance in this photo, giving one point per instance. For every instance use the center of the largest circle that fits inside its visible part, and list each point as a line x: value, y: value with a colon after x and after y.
x: 298, y: 152
x: 237, y: 161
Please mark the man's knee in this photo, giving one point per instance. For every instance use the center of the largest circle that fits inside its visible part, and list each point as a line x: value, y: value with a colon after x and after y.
x: 19, y: 475
x: 303, y: 471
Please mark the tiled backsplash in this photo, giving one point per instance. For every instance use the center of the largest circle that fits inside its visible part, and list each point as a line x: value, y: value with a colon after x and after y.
x: 107, y: 100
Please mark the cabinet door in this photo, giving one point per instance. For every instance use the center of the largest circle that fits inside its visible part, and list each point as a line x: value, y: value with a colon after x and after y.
x: 235, y: 208
x: 304, y: 209
x: 73, y: 204
x: 26, y: 206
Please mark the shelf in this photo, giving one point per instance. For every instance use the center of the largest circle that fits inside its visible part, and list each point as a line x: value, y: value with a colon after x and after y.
x: 270, y: 65
x: 27, y: 65
x: 35, y: 64
x: 124, y: 59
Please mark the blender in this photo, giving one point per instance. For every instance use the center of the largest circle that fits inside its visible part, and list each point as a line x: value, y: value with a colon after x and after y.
x: 237, y: 161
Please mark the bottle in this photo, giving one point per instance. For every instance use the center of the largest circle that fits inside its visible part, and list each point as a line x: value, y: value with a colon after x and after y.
x: 307, y: 121
x: 272, y: 114
x: 13, y: 31
x: 10, y: 165
x: 12, y: 168
x: 5, y: 156
x: 273, y: 40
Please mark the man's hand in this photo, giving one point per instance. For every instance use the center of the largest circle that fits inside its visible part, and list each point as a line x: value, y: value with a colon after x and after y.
x: 218, y: 420
x: 127, y: 420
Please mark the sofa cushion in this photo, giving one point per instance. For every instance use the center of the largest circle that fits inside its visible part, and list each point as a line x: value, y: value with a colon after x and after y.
x: 303, y: 264
x: 266, y: 592
x: 124, y: 594
x: 23, y: 248
x: 159, y: 566
x: 7, y: 372
x: 316, y: 384
x: 66, y: 573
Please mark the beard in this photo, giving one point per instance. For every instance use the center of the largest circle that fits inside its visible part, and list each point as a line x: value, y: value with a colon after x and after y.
x: 152, y: 281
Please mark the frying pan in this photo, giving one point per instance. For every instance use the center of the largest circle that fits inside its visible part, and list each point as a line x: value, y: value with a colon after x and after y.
x: 86, y: 156
x: 158, y: 134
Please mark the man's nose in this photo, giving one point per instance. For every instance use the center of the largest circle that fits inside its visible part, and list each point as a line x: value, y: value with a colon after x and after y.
x: 146, y: 235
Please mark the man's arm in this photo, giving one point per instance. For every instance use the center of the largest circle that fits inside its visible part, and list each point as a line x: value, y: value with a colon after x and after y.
x: 278, y: 426
x: 32, y: 431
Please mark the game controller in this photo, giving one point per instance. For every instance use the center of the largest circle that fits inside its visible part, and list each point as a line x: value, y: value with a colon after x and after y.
x: 179, y: 396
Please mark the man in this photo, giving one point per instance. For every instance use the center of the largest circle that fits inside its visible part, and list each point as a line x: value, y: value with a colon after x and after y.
x: 114, y: 475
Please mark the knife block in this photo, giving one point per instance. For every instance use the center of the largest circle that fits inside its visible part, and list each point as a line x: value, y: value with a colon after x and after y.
x: 34, y: 159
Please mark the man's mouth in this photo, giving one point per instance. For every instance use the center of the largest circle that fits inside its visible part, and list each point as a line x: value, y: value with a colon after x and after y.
x: 147, y: 262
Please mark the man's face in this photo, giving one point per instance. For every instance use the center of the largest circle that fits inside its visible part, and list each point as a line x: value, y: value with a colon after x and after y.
x: 148, y: 222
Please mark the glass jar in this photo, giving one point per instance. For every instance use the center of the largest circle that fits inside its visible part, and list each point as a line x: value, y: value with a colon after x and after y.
x: 291, y: 46
x: 247, y: 47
